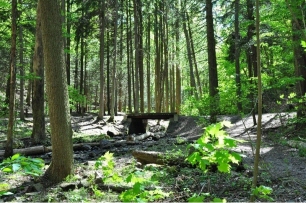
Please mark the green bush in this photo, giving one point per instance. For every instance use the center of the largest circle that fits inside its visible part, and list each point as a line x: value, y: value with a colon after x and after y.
x: 28, y: 165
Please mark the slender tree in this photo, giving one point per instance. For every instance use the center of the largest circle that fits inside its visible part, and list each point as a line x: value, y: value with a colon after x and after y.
x: 57, y: 93
x: 212, y: 63
x: 101, y: 52
x: 12, y: 83
x: 259, y: 85
x: 38, y: 133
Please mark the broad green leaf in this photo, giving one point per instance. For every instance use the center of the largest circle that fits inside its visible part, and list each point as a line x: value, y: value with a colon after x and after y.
x: 7, y: 170
x: 224, y: 167
x: 219, y: 200
x: 15, y: 156
x: 196, y: 198
x: 16, y: 167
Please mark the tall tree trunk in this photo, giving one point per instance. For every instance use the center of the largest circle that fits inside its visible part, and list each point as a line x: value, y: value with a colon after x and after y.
x: 114, y: 85
x: 197, y: 76
x: 128, y: 45
x: 237, y: 56
x: 137, y: 53
x: 57, y: 93
x: 157, y: 60
x: 191, y: 72
x: 297, y: 9
x: 177, y: 65
x: 102, y: 31
x: 251, y: 58
x: 21, y: 70
x: 68, y: 44
x: 148, y: 45
x: 10, y: 132
x: 212, y: 63
x: 259, y: 85
x: 38, y: 133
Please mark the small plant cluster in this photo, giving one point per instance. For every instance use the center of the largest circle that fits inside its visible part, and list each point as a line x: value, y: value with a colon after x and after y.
x: 26, y: 165
x: 213, y: 148
x: 139, y: 180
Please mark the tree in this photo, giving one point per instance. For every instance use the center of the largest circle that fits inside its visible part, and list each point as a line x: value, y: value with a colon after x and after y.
x: 237, y: 55
x: 101, y: 54
x: 21, y: 68
x: 12, y: 83
x: 38, y: 105
x: 259, y: 85
x: 57, y: 93
x: 212, y: 63
x: 297, y: 9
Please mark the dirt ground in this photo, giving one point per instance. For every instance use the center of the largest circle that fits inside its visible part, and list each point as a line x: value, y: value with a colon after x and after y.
x: 281, y: 167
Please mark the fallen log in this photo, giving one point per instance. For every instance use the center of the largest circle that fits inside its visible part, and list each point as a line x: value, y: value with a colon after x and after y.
x: 30, y: 151
x: 153, y: 157
x: 43, y: 149
x: 155, y: 136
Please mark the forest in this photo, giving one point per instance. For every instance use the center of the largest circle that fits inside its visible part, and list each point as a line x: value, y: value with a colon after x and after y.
x: 216, y: 88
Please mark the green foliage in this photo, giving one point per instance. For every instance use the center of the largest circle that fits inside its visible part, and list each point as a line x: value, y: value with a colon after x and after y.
x: 139, y: 193
x: 30, y: 166
x: 4, y: 187
x: 107, y: 164
x: 138, y: 179
x: 263, y: 192
x: 213, y: 148
x: 75, y: 97
x: 77, y: 195
x: 302, y: 152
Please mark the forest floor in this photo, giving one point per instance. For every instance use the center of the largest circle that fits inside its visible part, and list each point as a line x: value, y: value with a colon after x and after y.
x: 282, y: 166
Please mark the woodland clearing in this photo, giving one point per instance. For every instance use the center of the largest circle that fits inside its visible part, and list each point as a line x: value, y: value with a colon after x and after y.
x: 282, y: 165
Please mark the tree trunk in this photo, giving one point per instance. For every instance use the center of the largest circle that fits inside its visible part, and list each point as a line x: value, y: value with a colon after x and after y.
x: 39, y: 133
x: 189, y: 56
x: 102, y: 31
x: 237, y: 56
x: 259, y: 85
x: 177, y: 66
x: 137, y: 56
x: 297, y: 9
x: 212, y: 63
x: 148, y: 45
x: 21, y: 71
x: 57, y: 92
x: 68, y: 26
x: 114, y: 85
x: 12, y: 82
x: 250, y: 53
x: 197, y: 76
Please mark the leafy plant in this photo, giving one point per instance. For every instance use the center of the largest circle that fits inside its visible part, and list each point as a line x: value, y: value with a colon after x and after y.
x: 139, y: 193
x: 31, y: 166
x: 213, y: 148
x: 263, y: 192
x: 107, y: 164
x: 139, y: 179
x: 4, y: 187
x: 75, y: 97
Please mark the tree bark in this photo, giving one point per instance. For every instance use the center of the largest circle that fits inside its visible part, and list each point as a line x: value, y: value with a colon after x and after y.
x: 102, y: 31
x: 12, y: 83
x: 39, y: 132
x: 57, y: 93
x: 212, y: 63
x: 21, y: 70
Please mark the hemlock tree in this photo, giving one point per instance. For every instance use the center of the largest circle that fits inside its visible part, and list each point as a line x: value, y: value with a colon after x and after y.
x: 12, y: 83
x: 57, y: 93
x: 212, y: 63
x: 39, y: 133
